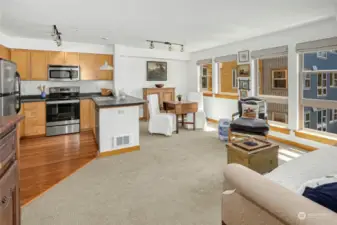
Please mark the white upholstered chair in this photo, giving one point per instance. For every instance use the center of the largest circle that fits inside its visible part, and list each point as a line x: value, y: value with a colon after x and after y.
x: 160, y: 123
x: 200, y: 116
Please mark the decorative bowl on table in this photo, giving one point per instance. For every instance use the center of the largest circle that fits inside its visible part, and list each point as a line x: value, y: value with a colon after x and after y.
x: 159, y: 85
x: 106, y: 92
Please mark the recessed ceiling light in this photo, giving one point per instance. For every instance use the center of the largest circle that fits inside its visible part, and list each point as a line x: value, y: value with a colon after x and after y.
x: 104, y: 38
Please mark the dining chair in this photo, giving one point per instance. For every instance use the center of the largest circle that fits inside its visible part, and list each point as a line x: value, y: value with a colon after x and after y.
x: 200, y: 115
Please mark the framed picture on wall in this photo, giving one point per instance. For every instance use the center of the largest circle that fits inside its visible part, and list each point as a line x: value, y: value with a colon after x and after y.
x: 156, y: 71
x: 243, y: 57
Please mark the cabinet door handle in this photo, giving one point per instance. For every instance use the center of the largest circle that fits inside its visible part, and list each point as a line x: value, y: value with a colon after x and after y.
x: 5, y: 201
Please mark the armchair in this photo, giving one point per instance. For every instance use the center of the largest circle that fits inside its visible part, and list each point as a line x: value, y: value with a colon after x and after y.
x: 243, y: 127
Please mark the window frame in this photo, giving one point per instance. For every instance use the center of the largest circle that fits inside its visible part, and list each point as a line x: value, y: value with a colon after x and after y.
x: 273, y: 71
x: 334, y: 78
x: 322, y: 87
x: 273, y: 117
x: 234, y: 80
x: 305, y: 119
x: 307, y: 77
x: 202, y: 76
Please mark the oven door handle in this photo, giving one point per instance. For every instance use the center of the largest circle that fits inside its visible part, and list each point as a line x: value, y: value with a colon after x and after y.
x: 62, y: 102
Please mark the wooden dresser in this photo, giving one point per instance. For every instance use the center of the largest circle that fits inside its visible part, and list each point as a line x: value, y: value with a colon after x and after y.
x: 164, y: 94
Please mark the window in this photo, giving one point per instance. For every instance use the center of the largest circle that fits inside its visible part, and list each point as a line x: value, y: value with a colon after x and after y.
x: 322, y: 55
x: 307, y: 81
x: 228, y: 77
x: 307, y: 120
x: 334, y: 115
x: 321, y: 84
x: 234, y: 78
x: 206, y: 77
x: 280, y: 117
x: 272, y: 85
x: 321, y: 120
x: 279, y: 78
x: 333, y: 79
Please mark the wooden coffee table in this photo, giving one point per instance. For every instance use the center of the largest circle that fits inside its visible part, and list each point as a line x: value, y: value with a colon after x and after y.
x: 262, y: 159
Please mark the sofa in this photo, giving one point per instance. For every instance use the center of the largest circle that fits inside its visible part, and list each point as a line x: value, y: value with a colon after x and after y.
x: 250, y: 198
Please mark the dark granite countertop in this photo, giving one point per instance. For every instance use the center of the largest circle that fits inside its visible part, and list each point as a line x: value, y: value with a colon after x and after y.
x: 6, y: 122
x: 118, y: 102
x: 114, y: 102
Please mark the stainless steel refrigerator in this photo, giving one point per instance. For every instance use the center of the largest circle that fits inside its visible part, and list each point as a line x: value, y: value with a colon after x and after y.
x: 10, y: 88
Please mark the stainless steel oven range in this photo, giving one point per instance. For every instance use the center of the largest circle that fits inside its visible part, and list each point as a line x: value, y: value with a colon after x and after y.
x: 63, y: 111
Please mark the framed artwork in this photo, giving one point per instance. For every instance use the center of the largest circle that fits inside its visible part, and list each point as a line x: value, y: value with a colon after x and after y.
x: 156, y: 71
x: 243, y: 57
x: 244, y: 70
x: 244, y: 84
x: 243, y: 93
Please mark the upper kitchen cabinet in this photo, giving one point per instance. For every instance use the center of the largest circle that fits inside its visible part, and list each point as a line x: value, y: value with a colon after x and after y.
x: 63, y: 58
x: 56, y: 58
x: 4, y: 52
x: 108, y: 74
x: 88, y: 67
x: 38, y: 61
x: 22, y: 60
x: 72, y: 58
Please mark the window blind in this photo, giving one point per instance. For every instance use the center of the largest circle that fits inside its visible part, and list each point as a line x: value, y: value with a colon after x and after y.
x: 204, y: 61
x: 319, y: 45
x: 226, y: 58
x: 270, y: 52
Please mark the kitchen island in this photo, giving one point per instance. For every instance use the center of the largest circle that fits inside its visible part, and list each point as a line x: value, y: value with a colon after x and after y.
x: 117, y: 124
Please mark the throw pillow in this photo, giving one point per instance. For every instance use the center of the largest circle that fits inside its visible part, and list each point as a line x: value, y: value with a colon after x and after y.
x: 250, y: 111
x: 317, y: 182
x: 325, y: 195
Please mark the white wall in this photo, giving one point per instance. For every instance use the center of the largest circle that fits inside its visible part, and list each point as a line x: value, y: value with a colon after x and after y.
x: 130, y: 69
x: 223, y: 108
x: 31, y: 87
x: 4, y: 39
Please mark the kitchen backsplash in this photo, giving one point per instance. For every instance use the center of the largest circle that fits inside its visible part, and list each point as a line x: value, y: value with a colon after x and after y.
x: 31, y: 87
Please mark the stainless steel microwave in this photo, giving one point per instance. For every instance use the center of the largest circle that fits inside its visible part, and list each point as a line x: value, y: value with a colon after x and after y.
x: 63, y: 73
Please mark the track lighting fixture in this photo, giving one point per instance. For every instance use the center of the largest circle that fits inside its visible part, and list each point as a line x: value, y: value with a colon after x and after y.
x: 57, y: 36
x: 170, y: 44
x: 151, y: 45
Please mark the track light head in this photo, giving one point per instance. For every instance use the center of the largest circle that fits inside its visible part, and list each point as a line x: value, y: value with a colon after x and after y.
x: 151, y: 45
x: 182, y: 48
x: 170, y: 47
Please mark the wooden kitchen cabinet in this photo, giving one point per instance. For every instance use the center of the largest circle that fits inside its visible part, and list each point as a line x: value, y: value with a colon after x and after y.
x: 100, y: 60
x: 93, y: 117
x: 88, y: 66
x: 21, y: 125
x: 35, y: 118
x: 5, y: 53
x: 72, y: 58
x: 85, y: 117
x: 22, y: 60
x: 38, y: 65
x: 56, y: 58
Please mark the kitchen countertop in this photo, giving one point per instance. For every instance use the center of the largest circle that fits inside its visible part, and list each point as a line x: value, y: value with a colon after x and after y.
x: 6, y: 122
x: 118, y: 102
x: 115, y: 102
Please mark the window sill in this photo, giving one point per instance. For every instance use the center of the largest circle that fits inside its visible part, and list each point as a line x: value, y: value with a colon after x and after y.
x: 227, y: 96
x: 329, y: 139
x: 207, y: 93
x: 279, y: 127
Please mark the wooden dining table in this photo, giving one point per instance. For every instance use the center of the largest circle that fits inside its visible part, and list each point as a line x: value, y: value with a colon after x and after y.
x: 181, y: 108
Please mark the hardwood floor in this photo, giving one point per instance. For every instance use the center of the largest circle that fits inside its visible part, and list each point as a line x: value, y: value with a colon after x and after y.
x: 45, y: 161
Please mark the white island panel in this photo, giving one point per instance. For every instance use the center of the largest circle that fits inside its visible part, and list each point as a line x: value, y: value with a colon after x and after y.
x: 122, y: 122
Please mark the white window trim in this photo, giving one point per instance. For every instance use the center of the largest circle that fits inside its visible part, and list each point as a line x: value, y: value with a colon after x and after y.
x: 307, y: 77
x: 322, y: 124
x: 203, y: 76
x: 321, y: 56
x: 333, y: 114
x: 273, y: 78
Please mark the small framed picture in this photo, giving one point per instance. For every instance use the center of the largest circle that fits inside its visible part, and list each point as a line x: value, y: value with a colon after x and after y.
x: 243, y: 57
x: 243, y: 93
x: 244, y: 84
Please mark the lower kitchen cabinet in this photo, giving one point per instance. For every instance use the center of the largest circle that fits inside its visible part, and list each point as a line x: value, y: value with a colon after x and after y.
x: 93, y: 118
x: 35, y: 118
x: 85, y: 114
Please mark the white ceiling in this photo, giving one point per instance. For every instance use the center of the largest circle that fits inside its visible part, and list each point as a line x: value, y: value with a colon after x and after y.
x: 197, y: 24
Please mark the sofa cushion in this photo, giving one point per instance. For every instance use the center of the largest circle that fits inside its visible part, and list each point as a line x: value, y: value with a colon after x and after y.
x: 317, y: 182
x: 325, y: 195
x: 309, y: 166
x: 249, y: 125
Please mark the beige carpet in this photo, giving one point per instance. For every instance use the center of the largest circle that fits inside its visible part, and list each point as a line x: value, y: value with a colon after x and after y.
x: 170, y: 181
